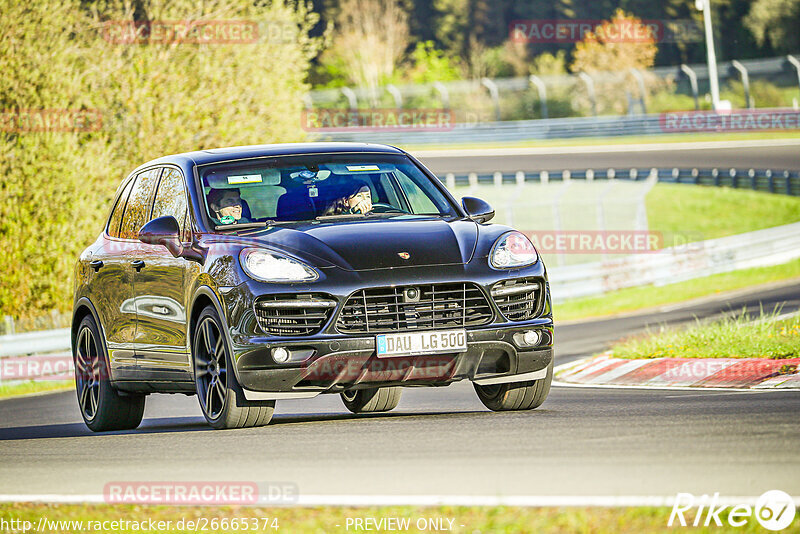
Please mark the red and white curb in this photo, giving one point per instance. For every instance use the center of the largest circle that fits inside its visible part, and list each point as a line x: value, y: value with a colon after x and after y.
x: 747, y: 373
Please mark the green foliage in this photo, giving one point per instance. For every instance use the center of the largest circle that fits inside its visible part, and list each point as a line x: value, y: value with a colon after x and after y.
x: 154, y: 99
x: 764, y: 94
x: 427, y: 64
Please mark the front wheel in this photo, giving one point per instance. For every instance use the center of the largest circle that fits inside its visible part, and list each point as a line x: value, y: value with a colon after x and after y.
x: 517, y: 395
x: 371, y: 399
x: 102, y: 407
x: 221, y: 398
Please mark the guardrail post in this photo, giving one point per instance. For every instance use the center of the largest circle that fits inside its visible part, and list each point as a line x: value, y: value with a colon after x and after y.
x: 350, y: 95
x: 492, y: 87
x: 540, y: 86
x: 692, y: 75
x: 696, y: 176
x: 796, y: 64
x: 734, y: 178
x: 715, y: 175
x: 640, y: 80
x: 443, y: 94
x: 450, y: 181
x: 590, y: 175
x: 590, y: 88
x: 745, y: 83
x: 752, y: 174
x: 520, y: 176
x: 473, y: 179
x: 9, y: 322
x: 498, y: 179
x: 788, y: 178
x: 771, y: 180
x: 544, y: 177
x: 395, y: 92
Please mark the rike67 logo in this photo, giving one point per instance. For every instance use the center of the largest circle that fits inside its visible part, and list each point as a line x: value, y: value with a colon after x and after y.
x: 774, y: 510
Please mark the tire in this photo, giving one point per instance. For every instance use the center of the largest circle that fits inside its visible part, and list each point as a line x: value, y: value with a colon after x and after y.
x: 371, y: 399
x: 102, y: 407
x: 516, y: 395
x: 221, y: 398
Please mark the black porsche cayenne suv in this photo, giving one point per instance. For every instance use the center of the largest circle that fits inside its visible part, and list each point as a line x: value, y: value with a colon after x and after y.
x: 253, y: 274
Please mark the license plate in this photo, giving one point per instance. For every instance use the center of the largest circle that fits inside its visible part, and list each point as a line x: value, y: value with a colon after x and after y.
x: 412, y: 343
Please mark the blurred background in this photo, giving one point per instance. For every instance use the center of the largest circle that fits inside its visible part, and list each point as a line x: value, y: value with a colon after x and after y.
x: 91, y: 89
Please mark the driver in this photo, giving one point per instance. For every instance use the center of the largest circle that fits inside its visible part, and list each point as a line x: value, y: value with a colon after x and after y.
x: 353, y: 197
x: 227, y: 205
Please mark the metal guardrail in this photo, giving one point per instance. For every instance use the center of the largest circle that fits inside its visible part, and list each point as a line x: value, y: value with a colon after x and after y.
x: 34, y: 342
x: 521, y: 130
x: 761, y: 248
x: 766, y: 180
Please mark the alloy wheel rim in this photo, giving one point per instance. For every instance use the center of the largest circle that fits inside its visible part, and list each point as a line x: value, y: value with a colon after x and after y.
x: 87, y: 372
x: 210, y: 368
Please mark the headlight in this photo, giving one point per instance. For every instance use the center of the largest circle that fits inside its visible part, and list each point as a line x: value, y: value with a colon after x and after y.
x: 513, y: 250
x: 268, y: 266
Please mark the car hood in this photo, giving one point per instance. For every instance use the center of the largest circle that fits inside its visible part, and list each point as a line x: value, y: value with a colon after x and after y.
x: 374, y: 244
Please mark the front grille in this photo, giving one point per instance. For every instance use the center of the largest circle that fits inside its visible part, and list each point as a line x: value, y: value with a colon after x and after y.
x: 424, y: 306
x: 293, y: 315
x: 518, y: 300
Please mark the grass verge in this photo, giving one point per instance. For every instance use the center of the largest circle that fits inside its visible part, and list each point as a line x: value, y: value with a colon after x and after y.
x: 691, y: 213
x: 639, y: 298
x: 335, y: 519
x: 26, y: 388
x: 742, y: 336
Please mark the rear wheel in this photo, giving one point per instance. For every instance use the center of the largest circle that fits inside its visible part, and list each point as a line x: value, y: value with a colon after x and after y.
x: 102, y: 407
x: 221, y: 398
x: 517, y: 395
x: 371, y: 399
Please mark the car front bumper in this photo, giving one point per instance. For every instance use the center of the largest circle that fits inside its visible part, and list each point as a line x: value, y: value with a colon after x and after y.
x: 493, y: 355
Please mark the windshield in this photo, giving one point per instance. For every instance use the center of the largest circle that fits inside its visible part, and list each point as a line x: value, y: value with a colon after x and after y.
x: 327, y: 187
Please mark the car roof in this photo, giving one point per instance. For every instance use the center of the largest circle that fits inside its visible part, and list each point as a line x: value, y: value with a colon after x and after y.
x: 218, y: 155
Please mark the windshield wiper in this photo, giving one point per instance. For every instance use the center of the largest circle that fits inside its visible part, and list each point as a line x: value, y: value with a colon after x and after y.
x: 243, y: 226
x: 340, y: 216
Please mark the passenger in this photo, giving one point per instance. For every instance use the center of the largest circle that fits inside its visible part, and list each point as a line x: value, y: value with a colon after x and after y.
x: 227, y: 205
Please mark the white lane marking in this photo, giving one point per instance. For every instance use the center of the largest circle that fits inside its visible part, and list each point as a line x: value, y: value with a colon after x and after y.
x: 556, y: 383
x: 602, y: 149
x: 431, y: 500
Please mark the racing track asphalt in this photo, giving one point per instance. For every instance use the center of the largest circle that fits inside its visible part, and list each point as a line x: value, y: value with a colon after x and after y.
x: 777, y: 154
x: 442, y: 441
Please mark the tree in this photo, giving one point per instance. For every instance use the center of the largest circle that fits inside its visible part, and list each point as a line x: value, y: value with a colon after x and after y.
x: 775, y: 23
x: 618, y: 45
x: 369, y: 39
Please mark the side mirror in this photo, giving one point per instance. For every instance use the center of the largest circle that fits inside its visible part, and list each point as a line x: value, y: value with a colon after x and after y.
x: 163, y: 231
x: 478, y: 210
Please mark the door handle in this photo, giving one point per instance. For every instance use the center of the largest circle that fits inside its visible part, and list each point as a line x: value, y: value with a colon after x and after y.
x: 138, y: 265
x: 96, y: 265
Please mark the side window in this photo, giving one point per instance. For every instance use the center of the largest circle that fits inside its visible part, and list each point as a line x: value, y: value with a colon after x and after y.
x: 420, y: 203
x: 171, y: 199
x: 116, y: 215
x: 137, y: 210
